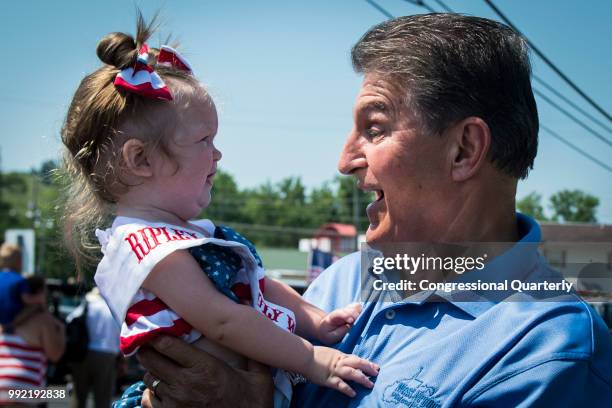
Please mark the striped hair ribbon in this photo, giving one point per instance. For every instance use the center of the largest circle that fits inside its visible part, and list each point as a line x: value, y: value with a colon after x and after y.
x: 142, y: 78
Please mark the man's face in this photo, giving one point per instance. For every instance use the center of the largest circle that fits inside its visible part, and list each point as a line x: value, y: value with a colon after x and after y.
x: 409, y: 171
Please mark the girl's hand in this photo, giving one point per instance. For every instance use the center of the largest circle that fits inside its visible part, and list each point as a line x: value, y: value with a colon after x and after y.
x: 334, y: 326
x: 331, y: 368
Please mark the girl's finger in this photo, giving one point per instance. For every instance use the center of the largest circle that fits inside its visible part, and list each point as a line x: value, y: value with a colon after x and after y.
x: 364, y: 365
x: 353, y: 374
x: 343, y: 387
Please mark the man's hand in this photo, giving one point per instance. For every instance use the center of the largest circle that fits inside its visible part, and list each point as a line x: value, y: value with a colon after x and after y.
x: 190, y: 377
x: 334, y: 326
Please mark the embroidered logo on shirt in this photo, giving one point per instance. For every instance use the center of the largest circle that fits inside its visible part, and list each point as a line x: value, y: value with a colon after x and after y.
x: 410, y: 392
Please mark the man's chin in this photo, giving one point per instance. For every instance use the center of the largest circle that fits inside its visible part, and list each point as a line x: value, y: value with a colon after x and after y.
x: 373, y: 235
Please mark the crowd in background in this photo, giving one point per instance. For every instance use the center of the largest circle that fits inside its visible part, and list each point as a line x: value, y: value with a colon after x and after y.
x: 38, y: 346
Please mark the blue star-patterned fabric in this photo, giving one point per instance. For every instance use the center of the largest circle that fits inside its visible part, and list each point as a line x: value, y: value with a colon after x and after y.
x: 221, y: 264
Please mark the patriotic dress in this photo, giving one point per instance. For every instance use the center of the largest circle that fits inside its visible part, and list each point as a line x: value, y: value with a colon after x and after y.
x: 132, y: 247
x: 22, y: 366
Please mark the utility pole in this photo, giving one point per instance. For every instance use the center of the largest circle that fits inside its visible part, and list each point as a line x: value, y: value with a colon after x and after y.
x: 35, y: 212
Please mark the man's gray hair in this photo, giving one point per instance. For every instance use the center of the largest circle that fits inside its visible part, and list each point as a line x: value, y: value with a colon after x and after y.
x: 450, y: 67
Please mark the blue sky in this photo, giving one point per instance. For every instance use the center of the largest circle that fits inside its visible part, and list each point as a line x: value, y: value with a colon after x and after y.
x: 281, y: 76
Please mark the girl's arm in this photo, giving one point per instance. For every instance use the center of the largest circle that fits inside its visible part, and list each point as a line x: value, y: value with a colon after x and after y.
x: 180, y: 283
x: 308, y: 317
x: 312, y: 322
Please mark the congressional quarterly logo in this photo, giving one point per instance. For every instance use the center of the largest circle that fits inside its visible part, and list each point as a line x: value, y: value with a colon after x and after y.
x: 410, y: 393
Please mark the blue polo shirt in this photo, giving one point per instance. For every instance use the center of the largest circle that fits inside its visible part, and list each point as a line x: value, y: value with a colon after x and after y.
x: 470, y: 353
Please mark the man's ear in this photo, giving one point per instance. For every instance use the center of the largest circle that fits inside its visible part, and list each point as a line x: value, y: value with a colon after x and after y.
x: 135, y: 158
x: 470, y: 147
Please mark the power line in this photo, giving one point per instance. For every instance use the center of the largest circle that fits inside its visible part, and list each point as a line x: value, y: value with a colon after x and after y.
x: 569, y: 102
x: 571, y: 145
x: 275, y: 229
x: 550, y: 63
x: 576, y: 148
x: 575, y: 119
x: 554, y: 91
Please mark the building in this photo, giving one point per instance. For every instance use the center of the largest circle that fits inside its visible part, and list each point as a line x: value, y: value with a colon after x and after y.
x: 582, y: 252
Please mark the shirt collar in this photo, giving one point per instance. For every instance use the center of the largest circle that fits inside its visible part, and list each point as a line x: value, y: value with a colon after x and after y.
x: 518, y: 262
x: 515, y: 263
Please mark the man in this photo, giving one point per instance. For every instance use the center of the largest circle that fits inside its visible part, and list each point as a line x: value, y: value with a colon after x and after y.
x: 445, y: 125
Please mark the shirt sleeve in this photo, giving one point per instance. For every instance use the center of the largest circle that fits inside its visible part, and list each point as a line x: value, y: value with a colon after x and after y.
x: 553, y: 383
x: 338, y: 285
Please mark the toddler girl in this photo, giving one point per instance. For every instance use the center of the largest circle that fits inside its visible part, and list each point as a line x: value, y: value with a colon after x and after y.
x: 140, y: 142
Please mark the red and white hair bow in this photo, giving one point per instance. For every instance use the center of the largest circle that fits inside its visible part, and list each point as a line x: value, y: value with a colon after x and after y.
x: 170, y: 57
x: 142, y: 78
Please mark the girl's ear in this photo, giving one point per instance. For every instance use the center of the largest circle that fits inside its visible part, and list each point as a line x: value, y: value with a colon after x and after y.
x: 135, y: 158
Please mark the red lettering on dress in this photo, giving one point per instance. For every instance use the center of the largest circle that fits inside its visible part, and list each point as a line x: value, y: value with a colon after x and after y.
x: 265, y: 310
x: 146, y: 239
x: 137, y: 247
x: 290, y: 324
x: 166, y: 234
x: 149, y: 237
x: 276, y: 314
x: 260, y: 301
x: 180, y: 235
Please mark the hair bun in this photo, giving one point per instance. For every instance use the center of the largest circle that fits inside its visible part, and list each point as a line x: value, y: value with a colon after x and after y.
x: 117, y: 49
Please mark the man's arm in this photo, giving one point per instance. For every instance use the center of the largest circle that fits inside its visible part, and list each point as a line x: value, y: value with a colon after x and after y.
x: 190, y: 377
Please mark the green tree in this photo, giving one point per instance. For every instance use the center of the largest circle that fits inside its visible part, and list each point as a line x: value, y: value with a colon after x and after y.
x: 574, y: 206
x: 531, y: 205
x: 227, y: 200
x: 323, y: 206
x: 347, y: 194
x: 47, y: 170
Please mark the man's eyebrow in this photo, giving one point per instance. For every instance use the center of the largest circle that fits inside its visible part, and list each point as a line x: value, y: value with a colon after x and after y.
x: 376, y: 106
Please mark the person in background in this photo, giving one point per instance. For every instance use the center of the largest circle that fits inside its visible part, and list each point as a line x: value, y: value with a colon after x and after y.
x: 28, y: 342
x: 98, y: 371
x: 12, y: 284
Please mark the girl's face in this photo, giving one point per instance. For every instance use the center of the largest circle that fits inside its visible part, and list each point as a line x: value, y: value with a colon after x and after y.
x: 183, y: 184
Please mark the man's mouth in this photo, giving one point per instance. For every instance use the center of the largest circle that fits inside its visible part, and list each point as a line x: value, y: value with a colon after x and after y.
x: 378, y: 203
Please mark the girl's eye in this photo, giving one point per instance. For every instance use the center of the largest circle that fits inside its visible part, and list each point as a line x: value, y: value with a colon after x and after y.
x: 204, y: 139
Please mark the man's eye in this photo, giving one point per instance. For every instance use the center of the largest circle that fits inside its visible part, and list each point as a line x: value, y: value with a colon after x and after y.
x: 374, y: 132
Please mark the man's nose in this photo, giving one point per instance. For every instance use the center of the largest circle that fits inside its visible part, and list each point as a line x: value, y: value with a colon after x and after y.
x: 352, y: 157
x: 217, y: 154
